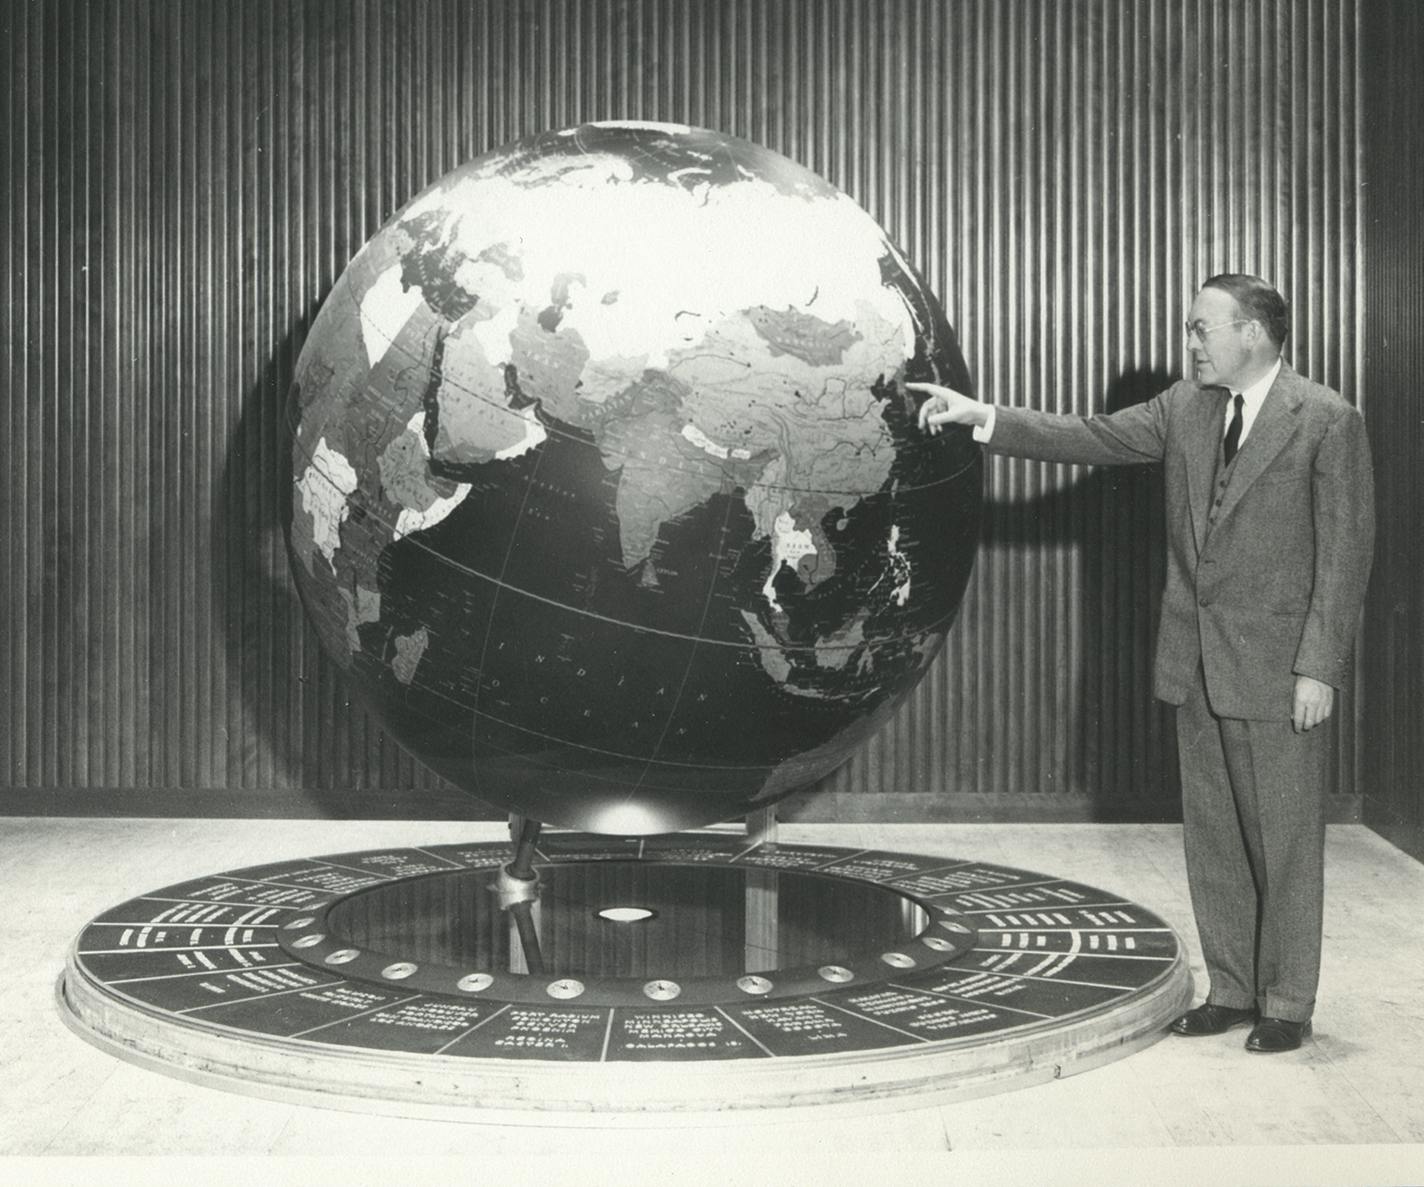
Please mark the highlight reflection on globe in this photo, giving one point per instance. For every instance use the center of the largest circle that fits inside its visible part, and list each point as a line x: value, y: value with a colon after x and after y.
x: 607, y: 492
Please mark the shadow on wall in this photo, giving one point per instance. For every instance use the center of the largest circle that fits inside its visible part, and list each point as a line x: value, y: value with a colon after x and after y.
x: 1117, y: 745
x: 304, y: 746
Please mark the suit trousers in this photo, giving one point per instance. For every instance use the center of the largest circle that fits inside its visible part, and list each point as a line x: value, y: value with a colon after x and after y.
x: 1253, y: 804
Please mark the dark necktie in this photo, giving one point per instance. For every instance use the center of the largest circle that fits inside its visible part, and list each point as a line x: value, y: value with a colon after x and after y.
x: 1233, y: 430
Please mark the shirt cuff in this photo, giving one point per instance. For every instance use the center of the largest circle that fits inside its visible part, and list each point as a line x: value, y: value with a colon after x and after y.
x: 983, y: 432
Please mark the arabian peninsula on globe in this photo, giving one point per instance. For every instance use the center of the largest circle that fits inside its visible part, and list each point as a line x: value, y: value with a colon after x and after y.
x: 607, y: 492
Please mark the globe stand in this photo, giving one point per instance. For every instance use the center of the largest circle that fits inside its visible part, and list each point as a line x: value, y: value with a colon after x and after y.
x: 516, y: 886
x: 525, y: 835
x: 571, y: 978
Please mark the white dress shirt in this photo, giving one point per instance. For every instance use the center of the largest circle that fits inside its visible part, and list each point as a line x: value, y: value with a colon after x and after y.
x: 1251, y: 400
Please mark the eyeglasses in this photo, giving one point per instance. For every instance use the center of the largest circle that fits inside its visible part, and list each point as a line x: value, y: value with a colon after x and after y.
x: 1199, y: 331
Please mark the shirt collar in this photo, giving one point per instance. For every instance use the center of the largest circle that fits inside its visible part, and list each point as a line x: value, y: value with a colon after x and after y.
x: 1254, y: 396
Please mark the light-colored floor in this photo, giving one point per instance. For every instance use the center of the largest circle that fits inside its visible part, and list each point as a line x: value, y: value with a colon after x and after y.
x: 1350, y: 1103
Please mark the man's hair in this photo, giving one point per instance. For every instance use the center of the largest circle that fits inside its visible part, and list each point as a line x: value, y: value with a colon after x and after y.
x: 1258, y: 300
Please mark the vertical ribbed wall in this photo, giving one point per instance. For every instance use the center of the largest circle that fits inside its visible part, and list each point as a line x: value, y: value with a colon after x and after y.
x: 1095, y: 163
x: 184, y: 182
x: 1392, y: 739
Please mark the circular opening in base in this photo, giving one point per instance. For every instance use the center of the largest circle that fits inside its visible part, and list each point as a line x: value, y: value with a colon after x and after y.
x: 695, y: 921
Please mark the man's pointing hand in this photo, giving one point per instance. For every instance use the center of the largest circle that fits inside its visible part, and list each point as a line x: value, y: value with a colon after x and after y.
x: 945, y: 406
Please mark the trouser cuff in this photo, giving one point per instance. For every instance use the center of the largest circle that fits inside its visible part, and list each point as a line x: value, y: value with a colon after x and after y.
x: 1291, y: 1011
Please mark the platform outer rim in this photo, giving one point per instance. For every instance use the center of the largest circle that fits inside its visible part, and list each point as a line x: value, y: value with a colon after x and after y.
x: 547, y: 1092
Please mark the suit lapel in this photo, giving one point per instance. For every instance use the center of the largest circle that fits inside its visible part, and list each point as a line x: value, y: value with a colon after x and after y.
x: 1273, y: 428
x: 1204, y: 432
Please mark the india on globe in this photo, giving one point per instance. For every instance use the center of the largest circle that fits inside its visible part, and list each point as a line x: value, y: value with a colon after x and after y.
x: 608, y: 494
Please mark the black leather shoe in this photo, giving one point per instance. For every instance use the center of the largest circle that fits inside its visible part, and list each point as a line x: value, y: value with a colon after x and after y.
x: 1208, y: 1019
x: 1276, y: 1034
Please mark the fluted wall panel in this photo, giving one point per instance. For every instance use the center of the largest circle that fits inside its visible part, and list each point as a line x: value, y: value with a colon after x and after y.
x: 183, y: 182
x: 1392, y: 739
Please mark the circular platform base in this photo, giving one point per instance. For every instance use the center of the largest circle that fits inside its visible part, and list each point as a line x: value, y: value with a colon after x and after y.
x: 692, y: 977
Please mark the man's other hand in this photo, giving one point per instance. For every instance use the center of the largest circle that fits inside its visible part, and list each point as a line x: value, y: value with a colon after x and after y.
x: 1314, y: 700
x: 945, y: 406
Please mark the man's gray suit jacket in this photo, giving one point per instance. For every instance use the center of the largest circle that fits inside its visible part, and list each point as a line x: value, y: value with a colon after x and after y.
x: 1266, y: 576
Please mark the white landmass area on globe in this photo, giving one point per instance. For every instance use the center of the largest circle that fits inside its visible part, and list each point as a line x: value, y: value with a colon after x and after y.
x: 899, y: 570
x: 385, y: 308
x: 705, y: 443
x: 901, y: 565
x: 788, y: 545
x: 681, y: 260
x: 417, y: 515
x: 325, y: 487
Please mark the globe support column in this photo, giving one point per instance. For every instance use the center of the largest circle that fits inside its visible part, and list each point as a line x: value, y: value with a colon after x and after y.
x: 524, y: 832
x: 517, y: 887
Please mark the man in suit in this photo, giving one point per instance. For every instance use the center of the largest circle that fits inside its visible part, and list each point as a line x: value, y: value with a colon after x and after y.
x: 1270, y: 530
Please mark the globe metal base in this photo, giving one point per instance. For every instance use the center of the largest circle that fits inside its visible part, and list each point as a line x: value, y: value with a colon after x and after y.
x: 686, y: 979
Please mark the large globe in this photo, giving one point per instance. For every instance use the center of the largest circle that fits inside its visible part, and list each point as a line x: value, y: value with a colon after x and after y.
x: 608, y: 494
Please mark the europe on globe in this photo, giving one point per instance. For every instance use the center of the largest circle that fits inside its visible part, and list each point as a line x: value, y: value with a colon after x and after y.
x: 607, y: 491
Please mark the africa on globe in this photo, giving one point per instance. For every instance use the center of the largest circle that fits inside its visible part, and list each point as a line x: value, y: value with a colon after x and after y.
x: 607, y: 491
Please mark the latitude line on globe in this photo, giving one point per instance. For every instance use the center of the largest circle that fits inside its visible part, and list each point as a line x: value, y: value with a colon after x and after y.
x: 931, y: 628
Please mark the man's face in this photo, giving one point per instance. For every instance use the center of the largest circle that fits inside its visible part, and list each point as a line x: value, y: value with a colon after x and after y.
x: 1222, y: 354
